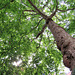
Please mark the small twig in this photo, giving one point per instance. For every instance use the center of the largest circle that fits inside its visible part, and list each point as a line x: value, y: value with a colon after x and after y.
x: 36, y: 26
x: 5, y: 6
x: 55, y: 10
x: 45, y: 4
x: 24, y: 3
x: 43, y: 15
x: 40, y: 41
x: 30, y: 10
x: 49, y: 8
x: 30, y: 14
x: 41, y: 31
x: 56, y: 4
x: 65, y: 20
x: 48, y: 37
x: 58, y: 18
x: 12, y: 0
x: 65, y: 10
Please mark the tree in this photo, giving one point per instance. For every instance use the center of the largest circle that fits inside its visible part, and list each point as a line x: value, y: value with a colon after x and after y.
x: 24, y: 34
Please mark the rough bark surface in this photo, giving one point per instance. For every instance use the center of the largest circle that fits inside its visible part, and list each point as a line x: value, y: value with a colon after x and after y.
x: 65, y: 43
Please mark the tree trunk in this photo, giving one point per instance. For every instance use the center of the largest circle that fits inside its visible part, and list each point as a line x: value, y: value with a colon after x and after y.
x: 65, y: 43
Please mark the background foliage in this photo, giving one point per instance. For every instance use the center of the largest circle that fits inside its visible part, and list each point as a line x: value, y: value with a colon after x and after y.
x: 19, y: 27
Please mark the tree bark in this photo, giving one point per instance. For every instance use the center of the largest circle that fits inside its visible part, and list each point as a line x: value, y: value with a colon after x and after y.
x: 65, y: 43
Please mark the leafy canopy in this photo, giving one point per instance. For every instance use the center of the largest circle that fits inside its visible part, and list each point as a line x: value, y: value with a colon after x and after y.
x: 19, y: 25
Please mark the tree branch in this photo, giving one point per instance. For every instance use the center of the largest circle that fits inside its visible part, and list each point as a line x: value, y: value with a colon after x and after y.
x: 64, y: 20
x: 43, y: 28
x: 40, y: 42
x: 36, y: 26
x: 24, y: 3
x: 48, y: 37
x: 58, y: 18
x: 30, y: 10
x: 65, y: 10
x: 43, y: 15
x: 56, y: 4
x: 5, y: 6
x: 55, y: 10
x: 45, y: 4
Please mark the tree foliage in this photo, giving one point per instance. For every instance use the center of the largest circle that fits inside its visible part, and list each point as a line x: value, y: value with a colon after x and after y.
x: 19, y: 25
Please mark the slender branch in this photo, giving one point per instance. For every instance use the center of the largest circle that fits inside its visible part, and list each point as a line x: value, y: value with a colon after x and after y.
x: 56, y: 4
x: 45, y: 4
x: 37, y: 25
x: 64, y: 20
x: 55, y: 10
x: 58, y: 18
x: 34, y: 13
x: 30, y: 14
x: 54, y: 7
x: 40, y: 42
x: 43, y: 28
x: 48, y: 37
x: 65, y: 10
x: 12, y: 0
x: 30, y: 10
x: 51, y: 9
x: 43, y: 15
x: 24, y: 3
x: 5, y: 6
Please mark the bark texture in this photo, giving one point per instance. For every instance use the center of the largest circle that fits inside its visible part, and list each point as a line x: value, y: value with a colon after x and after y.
x: 64, y: 42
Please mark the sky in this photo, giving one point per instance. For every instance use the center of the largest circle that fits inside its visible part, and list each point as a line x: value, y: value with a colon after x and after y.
x: 66, y: 70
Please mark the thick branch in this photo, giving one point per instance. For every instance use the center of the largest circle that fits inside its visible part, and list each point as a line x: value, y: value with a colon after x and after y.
x: 43, y: 15
x: 65, y: 10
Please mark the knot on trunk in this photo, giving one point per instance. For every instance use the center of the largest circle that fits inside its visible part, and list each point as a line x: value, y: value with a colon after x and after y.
x: 48, y: 19
x: 66, y: 61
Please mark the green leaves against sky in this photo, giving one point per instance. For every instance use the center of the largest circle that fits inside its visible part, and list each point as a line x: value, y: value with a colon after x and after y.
x: 19, y: 25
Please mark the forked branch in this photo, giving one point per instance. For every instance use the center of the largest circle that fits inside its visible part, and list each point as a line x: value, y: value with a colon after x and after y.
x: 43, y: 15
x: 55, y: 10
